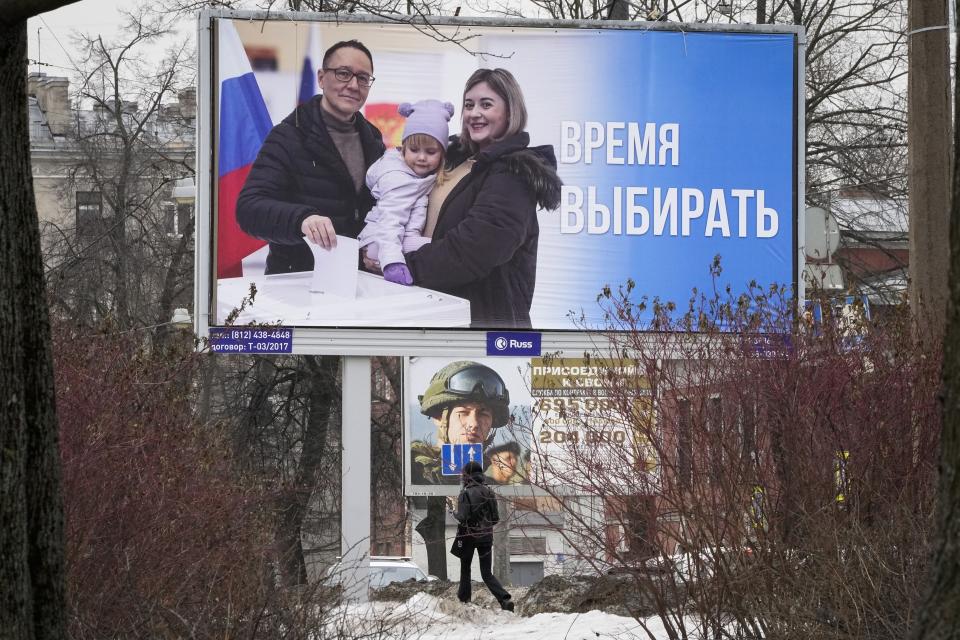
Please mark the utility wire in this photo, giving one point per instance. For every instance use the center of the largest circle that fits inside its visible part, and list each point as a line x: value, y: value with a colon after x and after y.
x: 62, y: 48
x: 31, y: 62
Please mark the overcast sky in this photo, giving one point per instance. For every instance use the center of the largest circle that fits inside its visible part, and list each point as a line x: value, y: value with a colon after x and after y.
x: 102, y: 17
x: 56, y: 28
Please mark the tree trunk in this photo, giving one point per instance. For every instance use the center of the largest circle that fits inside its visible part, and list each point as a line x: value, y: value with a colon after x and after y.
x: 31, y: 514
x: 939, y: 613
x: 323, y: 396
x: 928, y: 136
x: 433, y: 530
x: 256, y: 413
x: 294, y: 502
x: 619, y: 10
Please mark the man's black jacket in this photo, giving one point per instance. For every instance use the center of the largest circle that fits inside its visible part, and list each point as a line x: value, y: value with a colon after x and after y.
x: 297, y: 173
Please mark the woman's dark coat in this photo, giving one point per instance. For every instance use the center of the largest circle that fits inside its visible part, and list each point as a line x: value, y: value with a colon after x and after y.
x: 298, y: 173
x: 477, y: 510
x: 484, y: 246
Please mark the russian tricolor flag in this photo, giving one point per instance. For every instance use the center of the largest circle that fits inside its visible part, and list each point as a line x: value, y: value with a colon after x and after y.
x: 311, y: 63
x: 244, y: 125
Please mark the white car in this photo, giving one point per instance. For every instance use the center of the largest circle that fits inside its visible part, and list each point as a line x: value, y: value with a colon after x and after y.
x: 383, y: 571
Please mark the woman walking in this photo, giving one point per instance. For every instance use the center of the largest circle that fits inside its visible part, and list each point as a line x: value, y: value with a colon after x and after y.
x: 477, y: 513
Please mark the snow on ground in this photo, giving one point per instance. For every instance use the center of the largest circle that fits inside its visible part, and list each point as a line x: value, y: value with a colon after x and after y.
x: 425, y: 617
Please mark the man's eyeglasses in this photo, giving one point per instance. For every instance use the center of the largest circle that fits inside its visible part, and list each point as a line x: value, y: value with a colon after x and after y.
x: 344, y: 75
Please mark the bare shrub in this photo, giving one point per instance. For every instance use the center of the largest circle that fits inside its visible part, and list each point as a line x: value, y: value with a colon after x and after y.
x: 164, y: 538
x: 779, y: 482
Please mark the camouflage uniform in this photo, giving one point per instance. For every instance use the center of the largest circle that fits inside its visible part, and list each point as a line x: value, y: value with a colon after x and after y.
x: 456, y: 384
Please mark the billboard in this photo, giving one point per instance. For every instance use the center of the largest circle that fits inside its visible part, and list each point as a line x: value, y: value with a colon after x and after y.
x: 536, y: 425
x: 670, y: 147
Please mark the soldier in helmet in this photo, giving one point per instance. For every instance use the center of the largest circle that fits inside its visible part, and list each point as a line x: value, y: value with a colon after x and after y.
x: 507, y: 464
x: 466, y: 401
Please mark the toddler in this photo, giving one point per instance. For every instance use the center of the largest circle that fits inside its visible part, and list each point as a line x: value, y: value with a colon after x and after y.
x: 401, y: 181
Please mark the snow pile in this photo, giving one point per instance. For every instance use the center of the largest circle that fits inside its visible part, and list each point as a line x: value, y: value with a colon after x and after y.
x: 426, y: 617
x: 623, y: 594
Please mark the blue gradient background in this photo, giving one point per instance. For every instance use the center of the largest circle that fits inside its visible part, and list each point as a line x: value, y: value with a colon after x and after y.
x: 733, y: 97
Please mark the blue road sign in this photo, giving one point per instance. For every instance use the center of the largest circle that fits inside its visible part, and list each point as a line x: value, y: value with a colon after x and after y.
x: 471, y: 453
x: 450, y: 460
x: 454, y: 456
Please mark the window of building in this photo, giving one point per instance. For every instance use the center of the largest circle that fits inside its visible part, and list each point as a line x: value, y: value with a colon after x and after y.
x: 178, y: 217
x: 184, y: 217
x: 382, y: 389
x: 527, y: 545
x: 90, y: 220
x: 630, y: 525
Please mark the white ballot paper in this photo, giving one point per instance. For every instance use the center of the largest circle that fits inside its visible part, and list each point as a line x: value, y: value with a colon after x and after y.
x: 335, y: 270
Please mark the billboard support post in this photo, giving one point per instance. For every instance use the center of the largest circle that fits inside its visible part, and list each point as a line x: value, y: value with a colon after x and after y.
x: 501, y: 542
x: 355, y: 486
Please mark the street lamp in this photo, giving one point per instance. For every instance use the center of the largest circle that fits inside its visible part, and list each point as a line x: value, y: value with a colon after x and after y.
x: 181, y: 319
x: 184, y: 191
x: 184, y: 196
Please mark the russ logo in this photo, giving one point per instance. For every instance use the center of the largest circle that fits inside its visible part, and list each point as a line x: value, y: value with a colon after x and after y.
x: 505, y: 343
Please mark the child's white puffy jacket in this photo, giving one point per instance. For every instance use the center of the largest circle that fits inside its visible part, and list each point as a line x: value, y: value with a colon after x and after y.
x: 395, y: 223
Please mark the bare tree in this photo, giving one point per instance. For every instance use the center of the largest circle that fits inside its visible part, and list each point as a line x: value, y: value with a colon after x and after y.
x: 778, y: 483
x: 129, y: 259
x: 283, y: 415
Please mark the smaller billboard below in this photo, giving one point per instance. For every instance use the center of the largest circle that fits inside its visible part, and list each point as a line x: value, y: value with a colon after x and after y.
x: 535, y: 424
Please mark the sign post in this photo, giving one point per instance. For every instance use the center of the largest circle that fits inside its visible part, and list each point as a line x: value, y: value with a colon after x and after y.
x: 355, y: 492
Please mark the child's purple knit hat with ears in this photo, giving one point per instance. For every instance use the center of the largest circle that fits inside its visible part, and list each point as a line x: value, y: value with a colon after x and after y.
x: 429, y: 117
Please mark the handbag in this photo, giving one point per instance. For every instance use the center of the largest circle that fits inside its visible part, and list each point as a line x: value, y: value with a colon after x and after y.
x: 457, y: 547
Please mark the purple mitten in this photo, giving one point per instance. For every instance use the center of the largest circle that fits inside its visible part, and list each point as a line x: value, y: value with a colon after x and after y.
x: 397, y: 272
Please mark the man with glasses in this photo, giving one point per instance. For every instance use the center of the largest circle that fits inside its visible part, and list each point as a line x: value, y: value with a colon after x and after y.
x: 308, y: 179
x: 466, y: 401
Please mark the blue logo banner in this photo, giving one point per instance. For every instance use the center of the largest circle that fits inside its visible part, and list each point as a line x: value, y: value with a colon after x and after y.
x: 512, y: 343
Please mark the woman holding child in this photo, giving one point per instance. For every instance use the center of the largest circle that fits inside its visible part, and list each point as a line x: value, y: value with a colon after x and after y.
x: 482, y: 218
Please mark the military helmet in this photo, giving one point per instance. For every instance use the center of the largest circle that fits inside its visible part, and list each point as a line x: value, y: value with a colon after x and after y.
x: 466, y: 381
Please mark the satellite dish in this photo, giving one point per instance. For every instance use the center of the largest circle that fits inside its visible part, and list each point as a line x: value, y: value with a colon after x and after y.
x: 823, y: 277
x: 821, y: 234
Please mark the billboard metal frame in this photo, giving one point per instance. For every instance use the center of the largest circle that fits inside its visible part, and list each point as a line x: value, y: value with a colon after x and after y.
x: 446, y: 342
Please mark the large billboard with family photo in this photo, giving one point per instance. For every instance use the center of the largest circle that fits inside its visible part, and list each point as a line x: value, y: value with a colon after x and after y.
x: 528, y: 425
x: 479, y: 175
